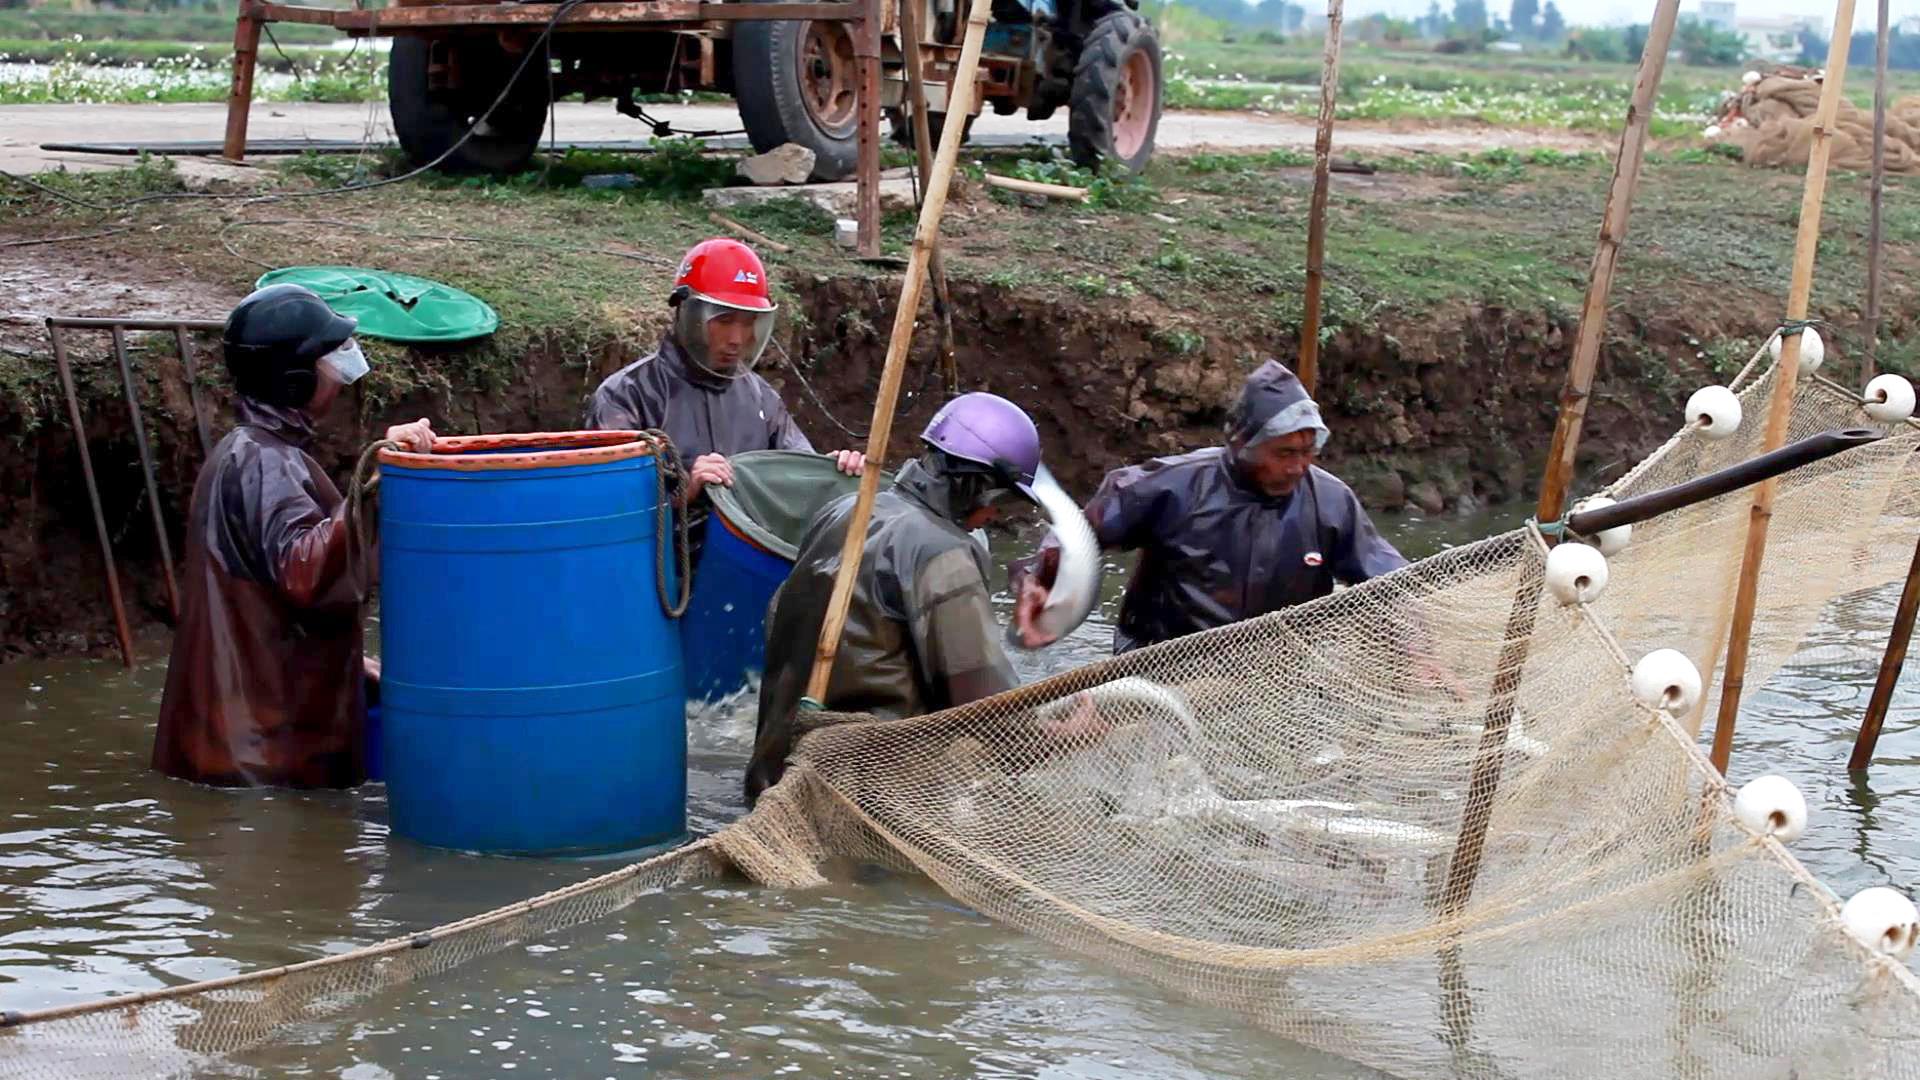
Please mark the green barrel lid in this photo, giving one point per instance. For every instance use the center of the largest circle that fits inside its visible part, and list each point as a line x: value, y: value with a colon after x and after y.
x: 398, y: 307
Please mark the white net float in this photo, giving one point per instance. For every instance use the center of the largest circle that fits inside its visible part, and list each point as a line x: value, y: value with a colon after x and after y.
x: 1884, y: 920
x: 1772, y: 806
x: 1576, y: 573
x: 1712, y: 131
x: 1813, y: 351
x: 1749, y: 78
x: 1612, y: 541
x: 1714, y: 412
x: 1889, y: 398
x: 1666, y: 679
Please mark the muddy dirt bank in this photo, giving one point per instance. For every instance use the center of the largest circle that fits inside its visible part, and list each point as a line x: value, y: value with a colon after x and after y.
x: 1447, y: 412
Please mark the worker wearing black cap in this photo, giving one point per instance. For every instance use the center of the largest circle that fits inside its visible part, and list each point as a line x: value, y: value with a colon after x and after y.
x: 265, y: 686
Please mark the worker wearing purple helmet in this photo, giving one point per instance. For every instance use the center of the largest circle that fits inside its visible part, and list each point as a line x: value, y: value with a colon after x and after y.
x: 920, y: 633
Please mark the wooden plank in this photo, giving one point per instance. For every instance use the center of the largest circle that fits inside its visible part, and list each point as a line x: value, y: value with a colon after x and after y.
x: 1035, y: 187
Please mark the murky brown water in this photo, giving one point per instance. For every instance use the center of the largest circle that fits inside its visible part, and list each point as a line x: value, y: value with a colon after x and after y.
x: 113, y: 879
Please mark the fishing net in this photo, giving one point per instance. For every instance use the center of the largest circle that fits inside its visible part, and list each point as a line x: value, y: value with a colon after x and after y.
x: 1422, y: 823
x: 1778, y: 129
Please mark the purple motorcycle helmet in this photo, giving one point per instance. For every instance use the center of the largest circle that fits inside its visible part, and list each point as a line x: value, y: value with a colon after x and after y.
x: 988, y: 430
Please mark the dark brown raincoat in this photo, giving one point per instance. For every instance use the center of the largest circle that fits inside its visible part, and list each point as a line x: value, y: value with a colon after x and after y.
x: 920, y: 633
x: 265, y: 684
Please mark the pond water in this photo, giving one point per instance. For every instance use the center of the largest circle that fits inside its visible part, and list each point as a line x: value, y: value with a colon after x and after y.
x: 113, y: 879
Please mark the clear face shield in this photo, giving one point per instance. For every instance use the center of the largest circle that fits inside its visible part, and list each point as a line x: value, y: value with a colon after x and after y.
x: 347, y: 362
x: 723, y: 340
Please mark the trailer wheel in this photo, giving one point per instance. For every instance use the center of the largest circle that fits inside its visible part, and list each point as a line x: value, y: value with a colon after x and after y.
x: 431, y: 111
x: 1115, y: 108
x: 795, y: 82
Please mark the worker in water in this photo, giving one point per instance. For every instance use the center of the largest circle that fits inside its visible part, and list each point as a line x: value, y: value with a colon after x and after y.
x: 1226, y: 533
x: 699, y: 386
x: 920, y: 633
x: 265, y: 686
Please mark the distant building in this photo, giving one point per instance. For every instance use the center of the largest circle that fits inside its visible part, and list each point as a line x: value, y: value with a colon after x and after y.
x: 1718, y: 14
x: 1775, y: 38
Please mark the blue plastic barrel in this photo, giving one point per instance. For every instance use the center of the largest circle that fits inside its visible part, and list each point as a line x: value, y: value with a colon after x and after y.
x: 724, y: 632
x: 532, y: 697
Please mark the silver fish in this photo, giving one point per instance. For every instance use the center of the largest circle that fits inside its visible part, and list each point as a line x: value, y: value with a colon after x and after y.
x: 1076, y: 588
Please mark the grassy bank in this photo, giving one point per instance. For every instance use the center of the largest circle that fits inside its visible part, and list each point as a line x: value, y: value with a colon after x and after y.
x: 1210, y: 243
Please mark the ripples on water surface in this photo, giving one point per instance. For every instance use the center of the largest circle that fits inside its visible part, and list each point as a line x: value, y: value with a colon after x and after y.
x: 113, y: 879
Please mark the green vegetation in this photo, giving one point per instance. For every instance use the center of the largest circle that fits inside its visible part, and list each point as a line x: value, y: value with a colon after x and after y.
x: 1210, y: 246
x: 92, y: 26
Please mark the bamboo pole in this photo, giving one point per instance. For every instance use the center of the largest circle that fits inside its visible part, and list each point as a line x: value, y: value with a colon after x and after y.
x: 1876, y: 190
x: 1890, y: 665
x: 1606, y: 256
x: 1483, y: 785
x: 910, y: 12
x: 1035, y: 187
x: 1785, y: 375
x: 1309, y: 366
x: 959, y: 104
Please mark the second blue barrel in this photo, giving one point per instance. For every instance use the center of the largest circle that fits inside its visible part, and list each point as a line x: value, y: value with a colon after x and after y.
x: 532, y: 695
x: 751, y: 541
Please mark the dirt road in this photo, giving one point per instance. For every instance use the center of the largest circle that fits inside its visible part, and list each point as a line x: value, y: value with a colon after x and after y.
x: 24, y: 128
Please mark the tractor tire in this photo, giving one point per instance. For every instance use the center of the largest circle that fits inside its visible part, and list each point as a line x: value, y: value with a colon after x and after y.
x: 901, y: 129
x: 430, y: 121
x: 1114, y: 111
x: 794, y: 81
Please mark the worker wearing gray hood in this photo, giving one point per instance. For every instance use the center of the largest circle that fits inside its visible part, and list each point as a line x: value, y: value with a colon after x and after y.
x: 1226, y: 533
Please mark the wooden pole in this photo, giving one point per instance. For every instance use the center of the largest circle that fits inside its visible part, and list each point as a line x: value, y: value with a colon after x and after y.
x: 246, y: 50
x: 867, y: 33
x: 959, y: 103
x: 1890, y: 664
x: 1785, y: 375
x: 1483, y: 785
x: 910, y: 11
x: 1876, y: 191
x: 1606, y: 256
x: 1309, y: 366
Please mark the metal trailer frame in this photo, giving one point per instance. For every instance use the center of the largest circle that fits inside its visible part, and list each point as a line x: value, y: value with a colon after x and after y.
x: 118, y: 328
x: 867, y: 16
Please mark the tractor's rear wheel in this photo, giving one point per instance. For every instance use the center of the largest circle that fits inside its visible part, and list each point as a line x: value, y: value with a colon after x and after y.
x: 795, y: 82
x: 433, y: 110
x: 1115, y: 108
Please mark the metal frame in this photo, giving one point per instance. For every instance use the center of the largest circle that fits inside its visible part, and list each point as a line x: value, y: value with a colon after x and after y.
x: 118, y: 328
x: 867, y: 16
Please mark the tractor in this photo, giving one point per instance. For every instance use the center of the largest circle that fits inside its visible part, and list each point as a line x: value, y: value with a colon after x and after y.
x: 793, y: 81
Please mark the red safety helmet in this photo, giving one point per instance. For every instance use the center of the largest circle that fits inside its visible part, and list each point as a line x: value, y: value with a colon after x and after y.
x: 723, y: 315
x: 725, y: 272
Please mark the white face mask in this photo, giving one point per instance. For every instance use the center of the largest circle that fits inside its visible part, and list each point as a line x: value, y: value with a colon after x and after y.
x: 347, y: 362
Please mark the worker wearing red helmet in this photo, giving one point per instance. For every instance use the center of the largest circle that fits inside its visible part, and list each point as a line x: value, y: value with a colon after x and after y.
x: 699, y: 386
